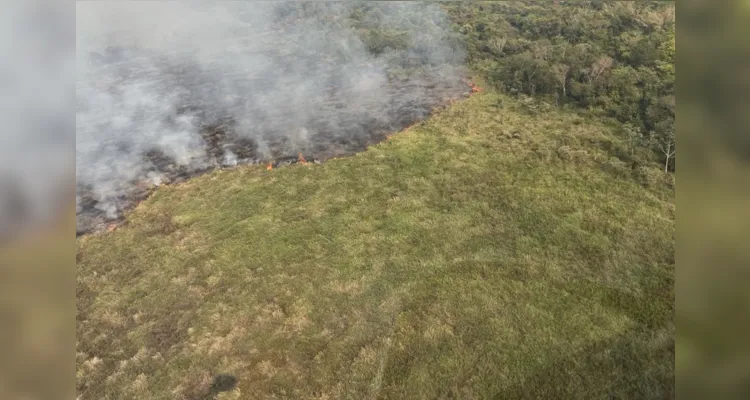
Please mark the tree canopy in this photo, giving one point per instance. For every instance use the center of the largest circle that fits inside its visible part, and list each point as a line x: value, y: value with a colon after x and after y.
x: 614, y: 58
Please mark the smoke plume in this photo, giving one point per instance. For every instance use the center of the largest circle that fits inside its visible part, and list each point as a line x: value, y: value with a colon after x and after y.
x: 167, y: 90
x: 36, y: 92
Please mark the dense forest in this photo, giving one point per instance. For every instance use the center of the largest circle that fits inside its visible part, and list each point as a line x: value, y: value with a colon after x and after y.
x: 614, y: 58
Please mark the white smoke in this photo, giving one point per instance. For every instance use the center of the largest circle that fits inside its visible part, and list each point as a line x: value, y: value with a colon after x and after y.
x: 288, y: 78
x: 36, y: 93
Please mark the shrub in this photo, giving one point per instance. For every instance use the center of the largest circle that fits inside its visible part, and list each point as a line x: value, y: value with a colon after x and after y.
x: 616, y: 167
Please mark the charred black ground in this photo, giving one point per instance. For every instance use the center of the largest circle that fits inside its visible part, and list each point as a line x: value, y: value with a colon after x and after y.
x: 316, y: 80
x: 222, y: 139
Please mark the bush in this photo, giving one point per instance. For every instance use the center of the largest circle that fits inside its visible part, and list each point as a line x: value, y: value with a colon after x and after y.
x: 378, y: 41
x: 617, y: 167
x: 651, y: 177
x: 567, y: 154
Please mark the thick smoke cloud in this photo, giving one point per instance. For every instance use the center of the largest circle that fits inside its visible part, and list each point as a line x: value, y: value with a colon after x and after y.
x: 36, y: 95
x: 165, y: 90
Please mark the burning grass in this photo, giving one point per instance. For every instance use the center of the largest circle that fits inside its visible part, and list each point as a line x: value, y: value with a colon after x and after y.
x: 465, y: 259
x: 160, y: 100
x: 226, y: 147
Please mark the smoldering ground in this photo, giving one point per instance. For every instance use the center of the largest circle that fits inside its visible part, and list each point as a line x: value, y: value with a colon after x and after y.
x: 167, y: 90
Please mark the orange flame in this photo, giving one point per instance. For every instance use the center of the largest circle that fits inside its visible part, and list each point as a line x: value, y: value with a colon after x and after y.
x: 301, y: 159
x: 269, y: 166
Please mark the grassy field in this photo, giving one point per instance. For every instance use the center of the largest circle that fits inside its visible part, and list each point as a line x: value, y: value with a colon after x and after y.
x: 497, y: 250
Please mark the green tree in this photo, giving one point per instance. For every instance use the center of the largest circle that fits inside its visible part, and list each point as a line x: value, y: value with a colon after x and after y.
x: 615, y: 57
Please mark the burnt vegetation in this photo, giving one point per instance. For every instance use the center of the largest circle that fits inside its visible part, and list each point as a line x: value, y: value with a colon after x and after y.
x: 323, y: 126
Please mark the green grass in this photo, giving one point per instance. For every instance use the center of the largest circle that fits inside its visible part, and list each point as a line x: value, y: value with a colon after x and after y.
x: 488, y: 252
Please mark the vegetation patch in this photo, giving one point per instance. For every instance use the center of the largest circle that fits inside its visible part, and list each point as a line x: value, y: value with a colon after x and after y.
x: 486, y: 252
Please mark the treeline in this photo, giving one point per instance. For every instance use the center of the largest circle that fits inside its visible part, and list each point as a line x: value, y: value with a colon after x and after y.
x: 617, y: 58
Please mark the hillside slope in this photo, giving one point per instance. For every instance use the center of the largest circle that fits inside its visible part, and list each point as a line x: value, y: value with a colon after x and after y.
x: 499, y: 249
